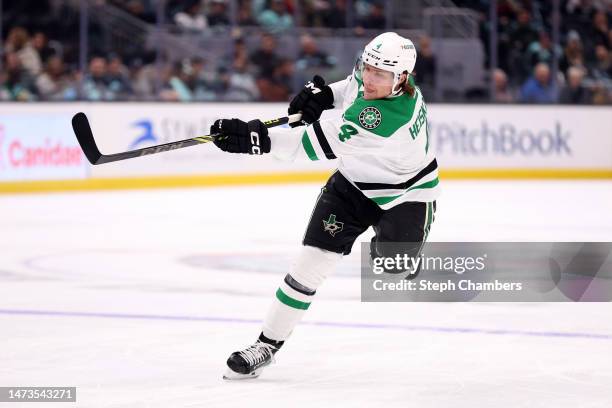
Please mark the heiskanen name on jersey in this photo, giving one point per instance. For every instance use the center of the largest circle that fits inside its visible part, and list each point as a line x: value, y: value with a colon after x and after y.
x: 382, y: 145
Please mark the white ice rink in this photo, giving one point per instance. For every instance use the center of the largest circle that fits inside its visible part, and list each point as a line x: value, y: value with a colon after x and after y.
x: 137, y: 298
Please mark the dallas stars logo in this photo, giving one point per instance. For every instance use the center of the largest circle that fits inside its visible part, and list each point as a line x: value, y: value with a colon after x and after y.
x: 370, y: 118
x: 332, y: 226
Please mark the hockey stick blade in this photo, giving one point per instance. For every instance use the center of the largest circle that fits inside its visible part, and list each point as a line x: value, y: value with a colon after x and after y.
x: 83, y: 133
x: 82, y: 130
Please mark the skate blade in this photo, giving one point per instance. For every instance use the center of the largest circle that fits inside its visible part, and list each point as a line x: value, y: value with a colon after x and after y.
x: 231, y: 375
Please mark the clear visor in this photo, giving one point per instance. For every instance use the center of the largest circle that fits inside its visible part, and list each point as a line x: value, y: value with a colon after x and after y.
x: 372, y: 75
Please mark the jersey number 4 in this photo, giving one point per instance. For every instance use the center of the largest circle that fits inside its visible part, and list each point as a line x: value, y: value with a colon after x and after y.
x: 346, y: 131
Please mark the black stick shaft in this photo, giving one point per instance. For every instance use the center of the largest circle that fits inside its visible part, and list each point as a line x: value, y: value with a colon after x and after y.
x: 84, y: 135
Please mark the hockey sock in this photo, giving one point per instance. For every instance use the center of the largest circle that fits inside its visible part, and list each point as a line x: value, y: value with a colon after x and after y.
x: 297, y: 290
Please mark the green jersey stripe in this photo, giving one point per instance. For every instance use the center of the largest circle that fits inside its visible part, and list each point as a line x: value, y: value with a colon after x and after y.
x: 388, y: 199
x: 308, y: 147
x: 291, y: 302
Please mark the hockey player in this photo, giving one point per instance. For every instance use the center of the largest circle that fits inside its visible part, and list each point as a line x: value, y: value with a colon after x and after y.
x: 387, y: 177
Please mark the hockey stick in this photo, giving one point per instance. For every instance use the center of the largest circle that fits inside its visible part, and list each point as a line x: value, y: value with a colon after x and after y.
x: 84, y: 135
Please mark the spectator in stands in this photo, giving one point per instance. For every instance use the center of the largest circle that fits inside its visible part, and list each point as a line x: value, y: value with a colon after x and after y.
x: 201, y: 71
x: 95, y: 83
x: 602, y: 68
x: 240, y: 49
x: 504, y: 39
x: 276, y: 19
x: 41, y: 45
x: 597, y: 35
x: 523, y: 32
x: 265, y: 58
x: 311, y: 57
x: 578, y: 16
x: 312, y: 12
x: 191, y: 18
x: 54, y: 84
x: 118, y: 78
x: 575, y: 92
x: 168, y: 93
x: 502, y: 91
x: 541, y: 50
x: 278, y: 87
x: 199, y: 80
x: 258, y: 6
x: 335, y: 17
x: 143, y: 78
x: 18, y: 42
x: 376, y: 19
x: 540, y: 88
x: 245, y: 14
x: 573, y: 54
x: 217, y: 14
x: 325, y: 13
x: 16, y: 83
x: 238, y: 85
x: 425, y: 68
x: 601, y: 95
x: 175, y: 87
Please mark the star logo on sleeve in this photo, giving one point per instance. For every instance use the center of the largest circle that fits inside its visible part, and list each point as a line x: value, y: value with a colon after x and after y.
x: 332, y: 226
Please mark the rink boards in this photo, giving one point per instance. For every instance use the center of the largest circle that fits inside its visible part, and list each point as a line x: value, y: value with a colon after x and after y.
x: 39, y: 152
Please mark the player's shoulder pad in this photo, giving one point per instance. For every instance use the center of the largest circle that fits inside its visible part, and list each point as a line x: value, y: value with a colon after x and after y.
x: 382, y: 117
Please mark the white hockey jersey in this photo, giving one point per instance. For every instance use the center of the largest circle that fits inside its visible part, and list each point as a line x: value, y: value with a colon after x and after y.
x: 382, y: 145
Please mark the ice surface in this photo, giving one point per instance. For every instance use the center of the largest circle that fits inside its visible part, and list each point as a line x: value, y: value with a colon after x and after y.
x: 137, y: 298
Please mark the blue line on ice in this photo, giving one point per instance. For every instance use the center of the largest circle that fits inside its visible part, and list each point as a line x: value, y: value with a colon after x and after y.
x: 348, y: 325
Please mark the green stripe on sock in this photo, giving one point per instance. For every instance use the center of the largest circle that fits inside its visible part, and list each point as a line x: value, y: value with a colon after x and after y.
x: 291, y: 302
x: 308, y: 147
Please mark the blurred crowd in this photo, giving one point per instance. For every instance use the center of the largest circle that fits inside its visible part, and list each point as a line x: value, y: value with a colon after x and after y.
x: 40, y: 52
x: 35, y: 69
x: 40, y: 61
x: 526, y: 53
x: 274, y: 16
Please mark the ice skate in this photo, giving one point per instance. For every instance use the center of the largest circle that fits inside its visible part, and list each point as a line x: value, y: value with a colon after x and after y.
x: 250, y: 362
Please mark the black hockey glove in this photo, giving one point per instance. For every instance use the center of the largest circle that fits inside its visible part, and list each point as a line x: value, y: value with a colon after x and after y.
x: 312, y: 100
x: 241, y: 137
